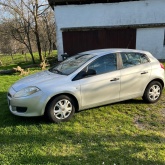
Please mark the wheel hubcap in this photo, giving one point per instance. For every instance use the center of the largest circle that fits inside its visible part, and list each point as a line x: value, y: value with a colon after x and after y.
x: 62, y: 109
x: 154, y: 92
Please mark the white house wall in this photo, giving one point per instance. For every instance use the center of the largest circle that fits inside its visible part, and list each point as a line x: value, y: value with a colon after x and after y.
x: 151, y: 39
x: 107, y: 15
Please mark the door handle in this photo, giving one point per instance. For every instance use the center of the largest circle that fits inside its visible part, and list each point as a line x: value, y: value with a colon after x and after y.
x: 115, y: 79
x: 145, y: 72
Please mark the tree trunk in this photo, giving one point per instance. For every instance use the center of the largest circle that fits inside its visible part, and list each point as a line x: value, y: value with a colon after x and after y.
x: 31, y: 53
x: 25, y: 57
x: 12, y: 58
x: 38, y: 45
x: 37, y: 30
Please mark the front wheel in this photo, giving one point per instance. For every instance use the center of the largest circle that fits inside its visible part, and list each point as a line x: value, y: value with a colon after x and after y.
x: 61, y: 109
x: 153, y: 92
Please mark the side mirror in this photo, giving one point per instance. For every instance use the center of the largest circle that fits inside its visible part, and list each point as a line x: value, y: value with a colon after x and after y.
x: 90, y: 72
x: 83, y: 74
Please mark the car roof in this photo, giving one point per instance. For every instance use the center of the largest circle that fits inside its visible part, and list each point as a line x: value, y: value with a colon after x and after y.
x: 112, y: 50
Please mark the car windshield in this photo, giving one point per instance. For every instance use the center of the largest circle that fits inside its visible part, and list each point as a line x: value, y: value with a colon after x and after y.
x: 71, y: 64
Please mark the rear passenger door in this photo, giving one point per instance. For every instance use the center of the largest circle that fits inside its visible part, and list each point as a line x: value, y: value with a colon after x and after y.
x: 135, y: 73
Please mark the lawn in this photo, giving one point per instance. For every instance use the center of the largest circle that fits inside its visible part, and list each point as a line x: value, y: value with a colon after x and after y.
x: 126, y: 133
x: 18, y: 59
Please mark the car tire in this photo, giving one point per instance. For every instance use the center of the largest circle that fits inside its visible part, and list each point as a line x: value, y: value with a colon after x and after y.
x: 60, y: 109
x: 153, y: 92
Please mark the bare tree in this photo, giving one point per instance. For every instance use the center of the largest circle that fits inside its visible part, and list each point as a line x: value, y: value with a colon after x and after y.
x: 48, y: 31
x: 23, y: 21
x: 18, y: 24
x: 37, y: 8
x: 8, y: 46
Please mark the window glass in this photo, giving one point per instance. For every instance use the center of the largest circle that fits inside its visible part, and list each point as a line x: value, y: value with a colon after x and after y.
x: 132, y: 59
x: 71, y: 64
x: 104, y: 64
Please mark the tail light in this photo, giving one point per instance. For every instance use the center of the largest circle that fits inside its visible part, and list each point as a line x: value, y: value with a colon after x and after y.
x: 161, y: 65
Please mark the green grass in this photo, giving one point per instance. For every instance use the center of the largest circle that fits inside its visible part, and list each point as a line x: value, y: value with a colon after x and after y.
x: 19, y: 59
x: 126, y: 133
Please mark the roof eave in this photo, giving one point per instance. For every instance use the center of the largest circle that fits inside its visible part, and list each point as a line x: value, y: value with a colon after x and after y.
x: 53, y: 3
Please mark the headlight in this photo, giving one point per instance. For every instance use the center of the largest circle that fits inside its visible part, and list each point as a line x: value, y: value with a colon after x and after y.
x: 26, y: 92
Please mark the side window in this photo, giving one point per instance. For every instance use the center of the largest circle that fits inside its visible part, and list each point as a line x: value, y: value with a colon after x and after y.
x: 104, y: 64
x: 133, y: 59
x: 144, y: 59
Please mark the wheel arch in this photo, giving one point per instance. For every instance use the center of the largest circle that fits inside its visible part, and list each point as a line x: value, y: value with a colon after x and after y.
x: 66, y: 94
x: 157, y: 79
x: 154, y: 97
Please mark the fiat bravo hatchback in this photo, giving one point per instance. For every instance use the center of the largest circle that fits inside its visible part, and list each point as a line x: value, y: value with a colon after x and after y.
x: 87, y: 80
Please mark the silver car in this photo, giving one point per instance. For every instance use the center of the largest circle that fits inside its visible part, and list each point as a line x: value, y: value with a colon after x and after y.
x: 86, y: 80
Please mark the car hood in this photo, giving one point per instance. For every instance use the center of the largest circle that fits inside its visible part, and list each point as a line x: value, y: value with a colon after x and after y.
x: 38, y: 79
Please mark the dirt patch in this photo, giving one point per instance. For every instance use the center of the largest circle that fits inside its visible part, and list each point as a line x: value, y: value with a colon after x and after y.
x: 138, y: 123
x: 163, y: 112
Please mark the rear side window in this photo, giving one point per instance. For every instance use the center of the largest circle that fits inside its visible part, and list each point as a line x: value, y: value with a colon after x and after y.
x: 133, y: 59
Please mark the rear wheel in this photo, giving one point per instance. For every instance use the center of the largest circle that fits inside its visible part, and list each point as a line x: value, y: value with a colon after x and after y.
x: 61, y: 109
x: 153, y: 92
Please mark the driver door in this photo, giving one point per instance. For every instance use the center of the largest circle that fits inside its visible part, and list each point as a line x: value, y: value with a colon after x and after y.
x: 104, y: 87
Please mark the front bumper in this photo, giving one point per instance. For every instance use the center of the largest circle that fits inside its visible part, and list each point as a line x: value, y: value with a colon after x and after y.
x: 33, y: 105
